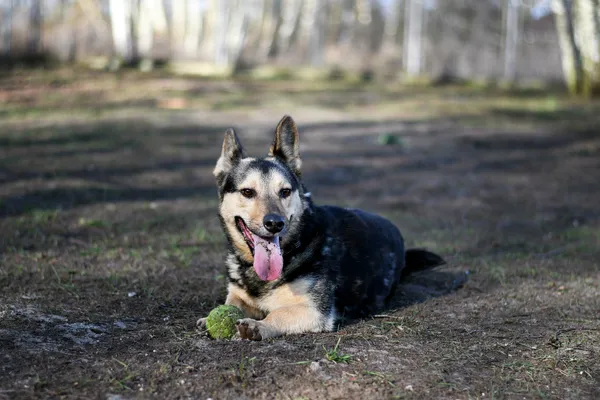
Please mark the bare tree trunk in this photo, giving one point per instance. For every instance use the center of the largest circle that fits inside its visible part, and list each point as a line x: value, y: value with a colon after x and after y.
x: 596, y: 18
x: 151, y: 19
x: 413, y: 35
x: 270, y: 27
x: 307, y: 22
x: 120, y: 18
x: 35, y: 28
x: 92, y: 10
x: 178, y: 24
x: 335, y: 20
x: 362, y: 29
x: 392, y: 22
x: 230, y: 29
x: 312, y: 32
x: 572, y: 60
x: 511, y: 38
x: 6, y: 29
x: 238, y: 32
x: 273, y: 49
x: 186, y: 26
x: 364, y: 12
x: 220, y: 14
x: 290, y: 15
x: 145, y: 31
x: 348, y: 19
x: 194, y: 28
x: 317, y: 41
x: 586, y: 16
x: 65, y: 15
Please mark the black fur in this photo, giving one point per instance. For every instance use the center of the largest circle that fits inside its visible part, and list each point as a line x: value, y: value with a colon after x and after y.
x: 356, y: 257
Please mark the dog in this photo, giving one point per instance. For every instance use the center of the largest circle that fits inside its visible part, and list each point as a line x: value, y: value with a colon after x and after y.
x: 295, y: 267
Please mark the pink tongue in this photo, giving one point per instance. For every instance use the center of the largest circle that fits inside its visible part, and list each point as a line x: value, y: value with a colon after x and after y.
x: 268, y: 261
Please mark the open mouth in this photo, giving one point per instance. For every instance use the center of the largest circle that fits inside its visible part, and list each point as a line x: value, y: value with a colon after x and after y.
x: 241, y: 225
x: 268, y: 261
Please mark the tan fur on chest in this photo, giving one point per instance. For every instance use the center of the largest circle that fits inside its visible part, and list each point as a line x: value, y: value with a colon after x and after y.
x: 286, y: 295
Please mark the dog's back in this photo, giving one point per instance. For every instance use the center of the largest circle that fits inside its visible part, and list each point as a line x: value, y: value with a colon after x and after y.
x: 369, y: 252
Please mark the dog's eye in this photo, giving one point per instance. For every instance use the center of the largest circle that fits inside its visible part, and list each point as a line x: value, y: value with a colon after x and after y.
x: 285, y: 193
x: 248, y: 193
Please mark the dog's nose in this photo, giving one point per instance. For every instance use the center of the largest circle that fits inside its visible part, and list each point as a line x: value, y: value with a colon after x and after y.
x: 274, y: 223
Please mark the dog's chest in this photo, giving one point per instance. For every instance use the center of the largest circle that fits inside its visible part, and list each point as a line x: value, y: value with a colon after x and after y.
x: 287, y: 295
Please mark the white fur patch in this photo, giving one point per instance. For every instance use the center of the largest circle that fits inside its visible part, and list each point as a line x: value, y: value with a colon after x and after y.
x: 330, y: 322
x: 232, y: 267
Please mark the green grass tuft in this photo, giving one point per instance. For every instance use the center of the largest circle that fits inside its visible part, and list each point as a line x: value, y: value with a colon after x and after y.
x: 335, y: 355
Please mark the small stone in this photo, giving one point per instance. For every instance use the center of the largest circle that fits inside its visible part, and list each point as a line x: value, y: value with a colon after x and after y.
x: 315, y: 366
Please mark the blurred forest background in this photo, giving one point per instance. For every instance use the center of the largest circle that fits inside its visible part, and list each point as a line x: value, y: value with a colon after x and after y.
x: 441, y: 40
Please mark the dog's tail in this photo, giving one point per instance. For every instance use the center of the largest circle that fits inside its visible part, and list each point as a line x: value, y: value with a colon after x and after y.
x: 419, y: 260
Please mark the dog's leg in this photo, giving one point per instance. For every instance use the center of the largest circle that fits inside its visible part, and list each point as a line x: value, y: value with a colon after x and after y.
x: 249, y: 311
x: 235, y: 299
x: 285, y: 320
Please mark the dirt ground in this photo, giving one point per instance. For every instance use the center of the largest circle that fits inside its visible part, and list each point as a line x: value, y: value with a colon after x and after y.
x: 110, y: 246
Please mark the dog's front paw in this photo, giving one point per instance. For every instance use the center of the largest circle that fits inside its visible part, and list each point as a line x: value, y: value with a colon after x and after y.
x: 250, y: 329
x: 201, y: 323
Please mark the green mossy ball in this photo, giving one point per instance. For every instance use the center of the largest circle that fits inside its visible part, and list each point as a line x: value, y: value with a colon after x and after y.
x: 220, y: 323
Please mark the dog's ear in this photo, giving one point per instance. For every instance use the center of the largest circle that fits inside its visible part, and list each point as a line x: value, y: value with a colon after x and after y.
x: 286, y: 145
x: 231, y: 153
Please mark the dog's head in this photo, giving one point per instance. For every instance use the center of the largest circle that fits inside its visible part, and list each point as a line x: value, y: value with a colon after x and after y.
x: 262, y: 199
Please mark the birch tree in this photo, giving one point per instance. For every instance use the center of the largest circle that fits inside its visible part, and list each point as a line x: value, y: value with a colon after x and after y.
x: 587, y: 23
x: 270, y: 24
x: 178, y: 22
x: 238, y: 32
x: 362, y: 26
x: 145, y: 33
x: 312, y: 34
x: 193, y: 31
x: 578, y: 24
x: 364, y: 11
x: 230, y: 28
x: 392, y: 23
x: 512, y: 33
x: 290, y: 15
x: 413, y: 36
x: 221, y: 10
x: 317, y: 39
x: 35, y: 27
x: 121, y: 13
x: 6, y: 28
x: 151, y: 20
x: 347, y: 20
